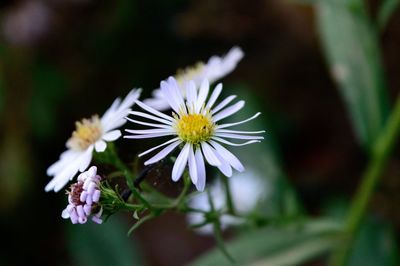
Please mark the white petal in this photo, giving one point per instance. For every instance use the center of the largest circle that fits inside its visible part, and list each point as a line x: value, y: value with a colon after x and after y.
x: 209, y: 154
x: 201, y: 170
x: 229, y: 111
x: 147, y: 136
x: 214, y: 96
x: 238, y: 123
x: 112, y: 135
x: 192, y: 165
x: 224, y: 167
x: 164, y: 152
x: 228, y: 156
x: 203, y: 92
x: 155, y: 118
x: 239, y: 132
x: 177, y: 91
x: 168, y: 95
x: 65, y: 159
x: 159, y: 146
x: 86, y: 158
x: 237, y: 136
x: 100, y: 146
x: 223, y: 104
x: 235, y: 144
x: 149, y: 131
x: 191, y: 95
x: 180, y: 163
x: 154, y: 111
x: 159, y: 104
x: 147, y: 124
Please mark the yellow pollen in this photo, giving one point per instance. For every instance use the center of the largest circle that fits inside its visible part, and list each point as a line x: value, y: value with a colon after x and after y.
x: 188, y: 73
x: 195, y: 128
x: 87, y: 132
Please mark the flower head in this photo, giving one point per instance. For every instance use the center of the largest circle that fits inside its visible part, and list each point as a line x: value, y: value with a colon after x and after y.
x: 195, y: 127
x: 216, y: 68
x: 83, y: 198
x: 90, y: 134
x: 247, y: 190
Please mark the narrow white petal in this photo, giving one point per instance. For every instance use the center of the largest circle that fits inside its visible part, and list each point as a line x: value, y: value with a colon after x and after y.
x: 154, y: 111
x: 224, y: 167
x: 239, y: 132
x: 180, y: 163
x: 147, y: 136
x: 214, y: 96
x: 169, y: 95
x: 147, y: 124
x: 175, y: 88
x: 159, y: 146
x: 164, y: 152
x: 86, y: 158
x: 235, y: 144
x: 149, y: 131
x: 238, y: 123
x: 65, y: 159
x: 209, y: 154
x: 159, y: 104
x: 191, y: 95
x: 203, y: 92
x: 223, y: 104
x: 228, y: 156
x: 237, y: 136
x: 152, y: 117
x: 112, y: 135
x: 229, y: 111
x: 110, y: 110
x: 201, y: 170
x: 192, y: 165
x: 100, y: 145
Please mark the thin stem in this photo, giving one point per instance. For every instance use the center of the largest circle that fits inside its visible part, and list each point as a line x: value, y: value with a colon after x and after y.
x: 228, y: 195
x: 370, y: 178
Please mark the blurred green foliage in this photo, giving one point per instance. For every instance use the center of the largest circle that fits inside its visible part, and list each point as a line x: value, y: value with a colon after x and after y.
x: 352, y: 48
x: 106, y: 244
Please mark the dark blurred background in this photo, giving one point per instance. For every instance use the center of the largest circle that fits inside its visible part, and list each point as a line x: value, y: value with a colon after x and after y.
x: 62, y: 60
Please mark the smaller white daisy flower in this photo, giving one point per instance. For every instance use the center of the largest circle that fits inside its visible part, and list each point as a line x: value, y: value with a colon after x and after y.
x: 247, y: 190
x: 215, y: 69
x: 83, y: 197
x: 195, y: 127
x: 90, y: 134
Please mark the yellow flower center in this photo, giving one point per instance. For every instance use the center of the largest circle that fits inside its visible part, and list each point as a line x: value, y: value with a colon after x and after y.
x: 188, y: 73
x: 87, y: 132
x: 195, y: 128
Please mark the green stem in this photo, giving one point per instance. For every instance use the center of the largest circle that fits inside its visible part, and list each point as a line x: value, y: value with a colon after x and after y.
x: 380, y: 154
x: 229, y: 201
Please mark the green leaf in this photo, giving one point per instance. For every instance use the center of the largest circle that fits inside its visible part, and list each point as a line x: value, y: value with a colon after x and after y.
x: 375, y: 245
x: 386, y: 10
x: 352, y: 50
x: 105, y: 244
x: 274, y: 246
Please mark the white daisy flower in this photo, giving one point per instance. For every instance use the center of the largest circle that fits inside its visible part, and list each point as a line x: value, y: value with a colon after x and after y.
x: 247, y: 190
x: 216, y: 68
x: 195, y: 127
x: 90, y: 134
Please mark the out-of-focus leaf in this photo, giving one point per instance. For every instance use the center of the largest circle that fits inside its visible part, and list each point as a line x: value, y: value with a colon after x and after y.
x: 273, y: 247
x: 351, y: 46
x: 105, y: 244
x: 375, y: 244
x: 49, y: 86
x: 386, y: 10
